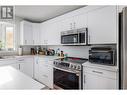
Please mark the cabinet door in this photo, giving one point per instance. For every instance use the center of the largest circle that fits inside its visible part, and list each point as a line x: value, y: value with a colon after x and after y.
x: 36, y: 34
x: 67, y: 24
x: 44, y: 27
x: 16, y: 66
x: 80, y: 21
x: 46, y: 73
x: 102, y: 25
x: 26, y: 66
x: 92, y: 81
x: 53, y: 34
x: 26, y: 33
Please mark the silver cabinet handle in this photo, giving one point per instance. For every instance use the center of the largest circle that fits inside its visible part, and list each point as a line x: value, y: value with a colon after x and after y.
x: 36, y: 61
x: 97, y: 72
x: 70, y: 25
x: 21, y: 60
x: 19, y: 66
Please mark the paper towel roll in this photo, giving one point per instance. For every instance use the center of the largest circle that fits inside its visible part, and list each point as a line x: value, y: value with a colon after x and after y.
x: 19, y: 51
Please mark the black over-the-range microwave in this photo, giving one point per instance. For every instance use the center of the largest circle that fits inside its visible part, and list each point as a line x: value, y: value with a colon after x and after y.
x: 75, y: 37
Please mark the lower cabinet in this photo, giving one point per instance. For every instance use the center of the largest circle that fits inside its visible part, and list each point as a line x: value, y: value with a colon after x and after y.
x: 15, y: 65
x: 46, y: 73
x: 94, y: 78
x: 43, y: 71
x: 25, y: 65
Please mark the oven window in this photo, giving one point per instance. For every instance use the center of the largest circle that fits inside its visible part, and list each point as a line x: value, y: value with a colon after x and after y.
x: 66, y: 80
x: 69, y: 39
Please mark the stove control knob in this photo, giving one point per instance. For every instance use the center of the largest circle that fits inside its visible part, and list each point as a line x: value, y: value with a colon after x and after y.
x: 78, y: 67
x: 71, y: 66
x: 74, y: 67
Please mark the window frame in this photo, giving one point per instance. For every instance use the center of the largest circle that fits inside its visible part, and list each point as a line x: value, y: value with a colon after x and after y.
x: 9, y: 24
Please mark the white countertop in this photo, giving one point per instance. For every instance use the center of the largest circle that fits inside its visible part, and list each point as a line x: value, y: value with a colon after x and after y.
x: 11, y: 78
x: 105, y: 67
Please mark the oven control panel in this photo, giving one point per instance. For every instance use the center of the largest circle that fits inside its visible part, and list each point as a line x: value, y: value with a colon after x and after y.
x: 67, y: 65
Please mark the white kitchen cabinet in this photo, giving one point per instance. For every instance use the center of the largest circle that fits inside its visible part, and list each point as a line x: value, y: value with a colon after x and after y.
x: 36, y: 34
x: 74, y: 22
x: 46, y: 73
x: 81, y: 21
x: 102, y: 25
x: 50, y: 33
x: 94, y: 78
x: 67, y: 24
x: 26, y: 33
x: 15, y: 65
x: 26, y: 65
x: 36, y: 69
x: 43, y: 30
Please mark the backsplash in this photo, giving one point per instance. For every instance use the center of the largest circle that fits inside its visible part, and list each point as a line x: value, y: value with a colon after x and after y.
x: 73, y: 51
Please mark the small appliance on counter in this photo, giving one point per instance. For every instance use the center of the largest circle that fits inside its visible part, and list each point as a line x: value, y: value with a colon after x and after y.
x: 103, y: 55
x: 33, y: 52
x: 50, y: 52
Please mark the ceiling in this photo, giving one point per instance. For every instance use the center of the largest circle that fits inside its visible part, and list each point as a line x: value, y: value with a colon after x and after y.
x: 42, y: 13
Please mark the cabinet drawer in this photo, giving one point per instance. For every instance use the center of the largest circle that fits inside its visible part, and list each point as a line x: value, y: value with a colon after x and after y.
x: 100, y: 72
x: 47, y: 80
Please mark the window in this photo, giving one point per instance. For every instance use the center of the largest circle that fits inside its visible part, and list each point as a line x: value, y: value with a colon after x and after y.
x: 9, y: 38
x: 6, y: 36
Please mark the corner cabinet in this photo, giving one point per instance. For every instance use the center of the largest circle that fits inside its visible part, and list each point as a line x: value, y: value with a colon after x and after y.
x: 30, y: 33
x: 102, y: 25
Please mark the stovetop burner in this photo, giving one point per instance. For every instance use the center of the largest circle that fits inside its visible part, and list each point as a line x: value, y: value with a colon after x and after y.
x: 73, y: 60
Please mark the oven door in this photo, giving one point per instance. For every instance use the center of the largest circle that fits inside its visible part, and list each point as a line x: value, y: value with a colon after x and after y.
x: 69, y: 39
x: 66, y: 80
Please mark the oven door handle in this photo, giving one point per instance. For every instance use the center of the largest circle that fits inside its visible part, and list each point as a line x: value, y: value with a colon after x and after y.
x: 74, y: 72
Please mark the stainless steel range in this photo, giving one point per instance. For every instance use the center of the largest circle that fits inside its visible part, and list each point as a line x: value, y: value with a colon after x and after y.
x: 68, y: 73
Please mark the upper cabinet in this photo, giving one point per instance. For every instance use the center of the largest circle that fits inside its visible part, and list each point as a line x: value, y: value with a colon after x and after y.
x: 36, y: 34
x: 29, y: 33
x: 26, y: 33
x: 102, y: 25
x: 50, y: 33
x: 74, y: 22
